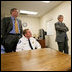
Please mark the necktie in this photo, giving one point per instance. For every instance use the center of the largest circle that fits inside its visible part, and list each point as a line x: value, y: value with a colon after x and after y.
x: 16, y: 27
x: 30, y: 44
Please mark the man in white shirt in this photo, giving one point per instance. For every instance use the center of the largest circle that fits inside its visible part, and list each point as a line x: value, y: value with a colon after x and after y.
x: 27, y: 42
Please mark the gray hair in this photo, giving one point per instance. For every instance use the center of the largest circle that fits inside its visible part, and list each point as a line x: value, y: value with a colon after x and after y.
x: 60, y: 16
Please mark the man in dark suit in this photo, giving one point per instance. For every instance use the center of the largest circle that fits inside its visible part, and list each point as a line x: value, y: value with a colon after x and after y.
x: 11, y: 31
x: 61, y: 36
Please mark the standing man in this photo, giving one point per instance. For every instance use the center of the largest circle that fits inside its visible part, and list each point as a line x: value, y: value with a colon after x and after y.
x: 27, y: 42
x: 11, y: 31
x: 61, y: 36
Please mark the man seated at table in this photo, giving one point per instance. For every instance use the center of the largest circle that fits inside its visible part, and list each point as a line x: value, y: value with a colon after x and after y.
x: 27, y: 42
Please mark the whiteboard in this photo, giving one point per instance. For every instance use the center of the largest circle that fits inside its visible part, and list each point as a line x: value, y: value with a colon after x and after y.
x: 50, y: 27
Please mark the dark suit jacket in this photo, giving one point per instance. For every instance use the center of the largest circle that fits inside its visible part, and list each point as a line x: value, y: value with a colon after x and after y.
x: 6, y: 27
x: 61, y: 30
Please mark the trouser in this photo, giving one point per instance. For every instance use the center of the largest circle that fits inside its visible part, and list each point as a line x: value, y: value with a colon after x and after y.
x: 11, y: 43
x: 63, y: 46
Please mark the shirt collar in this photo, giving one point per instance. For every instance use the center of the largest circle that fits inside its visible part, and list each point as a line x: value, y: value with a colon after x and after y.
x: 26, y: 38
x: 60, y: 22
x: 13, y: 18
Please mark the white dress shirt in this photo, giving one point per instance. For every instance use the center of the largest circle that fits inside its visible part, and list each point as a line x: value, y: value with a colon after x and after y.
x: 23, y: 44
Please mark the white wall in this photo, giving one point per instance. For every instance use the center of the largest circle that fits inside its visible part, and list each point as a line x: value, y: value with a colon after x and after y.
x: 65, y: 10
x: 33, y: 23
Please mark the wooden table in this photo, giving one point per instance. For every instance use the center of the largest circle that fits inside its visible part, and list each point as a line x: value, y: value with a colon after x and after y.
x: 45, y: 59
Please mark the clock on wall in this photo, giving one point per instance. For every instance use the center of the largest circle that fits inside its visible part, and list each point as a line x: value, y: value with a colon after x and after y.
x: 25, y: 24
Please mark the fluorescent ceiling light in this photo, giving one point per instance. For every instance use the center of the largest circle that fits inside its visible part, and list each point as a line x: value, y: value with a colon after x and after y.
x: 28, y: 12
x: 46, y: 1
